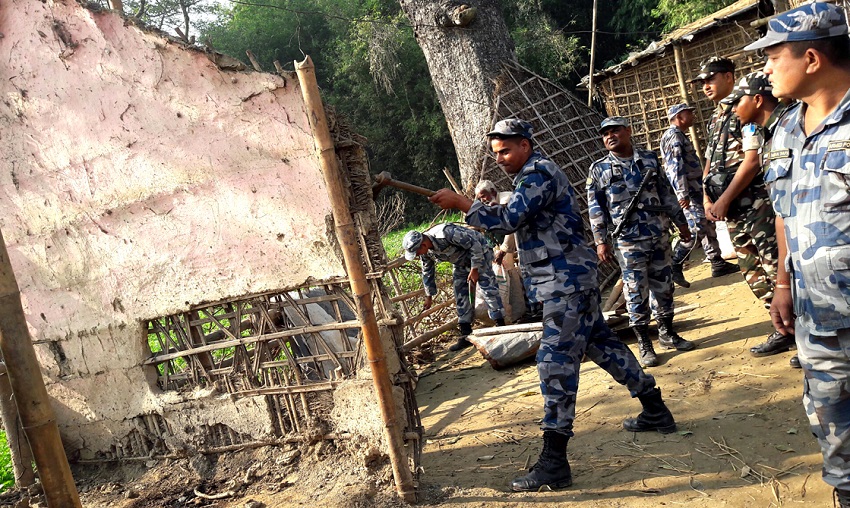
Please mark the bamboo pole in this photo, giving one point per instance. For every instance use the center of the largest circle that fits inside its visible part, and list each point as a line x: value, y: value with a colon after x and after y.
x: 683, y: 91
x: 19, y: 447
x: 592, y: 59
x: 347, y: 236
x: 24, y: 373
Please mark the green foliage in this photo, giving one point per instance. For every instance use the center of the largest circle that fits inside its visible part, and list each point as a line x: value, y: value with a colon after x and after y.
x: 676, y: 13
x: 7, y: 473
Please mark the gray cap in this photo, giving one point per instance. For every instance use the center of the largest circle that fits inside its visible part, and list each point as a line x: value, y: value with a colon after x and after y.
x: 411, y: 243
x: 809, y: 22
x: 678, y: 108
x: 512, y: 127
x: 613, y: 121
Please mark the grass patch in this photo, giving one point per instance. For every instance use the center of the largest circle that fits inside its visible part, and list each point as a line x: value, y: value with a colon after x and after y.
x: 7, y: 474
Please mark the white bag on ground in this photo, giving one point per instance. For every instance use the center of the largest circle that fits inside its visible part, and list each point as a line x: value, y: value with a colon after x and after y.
x: 511, y: 291
x: 506, y: 346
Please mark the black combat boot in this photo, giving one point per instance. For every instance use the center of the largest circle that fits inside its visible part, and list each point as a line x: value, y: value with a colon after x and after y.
x: 775, y: 343
x: 668, y: 339
x: 462, y: 343
x: 720, y: 267
x: 551, y: 470
x: 500, y: 321
x: 679, y: 277
x: 655, y: 415
x: 647, y: 353
x: 841, y: 498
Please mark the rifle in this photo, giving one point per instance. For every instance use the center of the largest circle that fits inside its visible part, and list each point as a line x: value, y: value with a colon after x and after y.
x: 635, y: 203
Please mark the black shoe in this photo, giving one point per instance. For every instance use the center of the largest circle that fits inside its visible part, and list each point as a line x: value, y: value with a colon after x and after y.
x: 668, y: 339
x: 500, y: 321
x: 776, y: 343
x: 655, y: 415
x: 679, y: 277
x: 461, y: 343
x: 841, y: 498
x: 647, y: 357
x: 720, y: 268
x: 551, y: 470
x: 795, y: 362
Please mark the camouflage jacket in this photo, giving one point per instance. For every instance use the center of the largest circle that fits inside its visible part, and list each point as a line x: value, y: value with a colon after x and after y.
x: 453, y: 243
x: 724, y: 151
x: 554, y: 255
x: 757, y: 137
x: 610, y: 187
x: 808, y: 178
x: 684, y: 171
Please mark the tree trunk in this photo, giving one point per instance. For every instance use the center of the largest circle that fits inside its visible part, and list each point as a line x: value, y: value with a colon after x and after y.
x: 465, y: 43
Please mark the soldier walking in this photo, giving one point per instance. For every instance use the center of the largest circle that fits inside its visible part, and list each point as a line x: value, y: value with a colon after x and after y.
x: 472, y: 261
x: 808, y: 58
x: 627, y: 193
x: 560, y: 271
x: 735, y: 192
x: 684, y: 172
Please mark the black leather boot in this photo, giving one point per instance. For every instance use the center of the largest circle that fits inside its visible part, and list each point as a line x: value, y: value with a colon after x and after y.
x: 668, y: 339
x: 679, y: 276
x: 462, y: 343
x: 500, y: 321
x: 720, y: 267
x: 655, y: 415
x: 775, y: 343
x: 551, y: 470
x: 647, y: 353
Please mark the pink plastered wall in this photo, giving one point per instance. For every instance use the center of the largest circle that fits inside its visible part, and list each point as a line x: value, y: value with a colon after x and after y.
x: 138, y: 179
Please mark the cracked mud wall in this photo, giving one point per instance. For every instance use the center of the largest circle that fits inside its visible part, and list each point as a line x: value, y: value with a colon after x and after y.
x: 138, y: 179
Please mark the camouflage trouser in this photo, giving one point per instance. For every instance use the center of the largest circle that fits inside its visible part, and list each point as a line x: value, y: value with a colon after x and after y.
x: 753, y: 234
x: 488, y: 284
x: 703, y: 230
x: 826, y: 397
x: 647, y: 278
x: 572, y: 327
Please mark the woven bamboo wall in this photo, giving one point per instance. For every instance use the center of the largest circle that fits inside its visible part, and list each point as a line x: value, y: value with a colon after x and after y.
x: 644, y: 92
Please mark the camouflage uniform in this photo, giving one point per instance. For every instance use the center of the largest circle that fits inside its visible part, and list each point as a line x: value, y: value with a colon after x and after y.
x: 750, y: 219
x: 559, y: 269
x: 808, y: 178
x: 643, y: 248
x: 464, y: 248
x: 684, y: 173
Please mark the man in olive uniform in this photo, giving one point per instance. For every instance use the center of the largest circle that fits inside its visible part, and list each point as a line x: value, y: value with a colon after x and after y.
x: 735, y: 192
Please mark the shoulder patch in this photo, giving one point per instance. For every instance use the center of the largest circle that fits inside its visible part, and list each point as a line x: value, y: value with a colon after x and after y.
x: 838, y: 145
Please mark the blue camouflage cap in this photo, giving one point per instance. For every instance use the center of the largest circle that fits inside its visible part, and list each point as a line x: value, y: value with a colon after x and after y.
x: 411, y: 243
x: 512, y: 127
x: 809, y: 22
x: 678, y: 108
x: 613, y: 121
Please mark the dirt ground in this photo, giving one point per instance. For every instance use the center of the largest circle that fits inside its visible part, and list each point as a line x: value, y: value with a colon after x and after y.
x: 743, y: 438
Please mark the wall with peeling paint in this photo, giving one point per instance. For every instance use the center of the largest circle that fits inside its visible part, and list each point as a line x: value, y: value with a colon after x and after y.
x: 137, y: 179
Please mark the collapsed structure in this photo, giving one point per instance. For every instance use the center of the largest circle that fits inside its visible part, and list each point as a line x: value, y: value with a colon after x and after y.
x: 172, y: 236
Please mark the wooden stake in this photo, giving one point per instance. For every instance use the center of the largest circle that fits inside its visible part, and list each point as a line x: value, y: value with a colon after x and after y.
x: 253, y: 60
x: 452, y: 180
x: 19, y: 447
x: 683, y: 90
x: 347, y: 235
x: 37, y: 417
